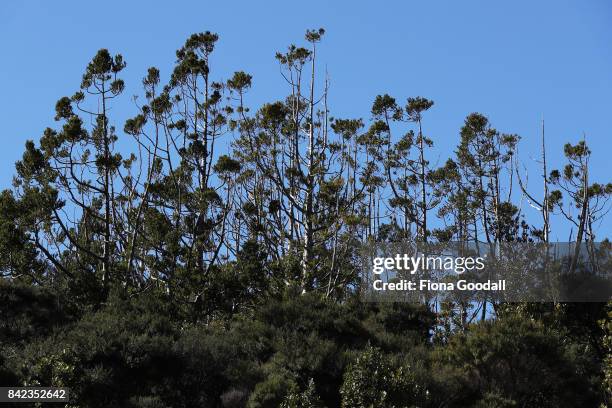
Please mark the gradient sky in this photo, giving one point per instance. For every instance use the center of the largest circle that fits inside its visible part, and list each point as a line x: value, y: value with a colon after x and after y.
x: 512, y: 61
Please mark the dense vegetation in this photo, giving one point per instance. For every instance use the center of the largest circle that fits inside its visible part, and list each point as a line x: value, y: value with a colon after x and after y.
x: 216, y: 264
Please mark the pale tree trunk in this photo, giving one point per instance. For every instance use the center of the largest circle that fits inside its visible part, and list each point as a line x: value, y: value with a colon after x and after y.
x: 107, y: 199
x: 308, y: 213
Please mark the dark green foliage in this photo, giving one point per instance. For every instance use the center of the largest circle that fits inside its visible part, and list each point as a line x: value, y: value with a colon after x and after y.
x: 515, y: 361
x: 132, y: 351
x: 137, y: 351
x: 18, y: 256
x: 30, y: 312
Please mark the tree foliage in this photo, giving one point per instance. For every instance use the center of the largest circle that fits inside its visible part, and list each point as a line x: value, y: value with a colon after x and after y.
x: 213, y: 259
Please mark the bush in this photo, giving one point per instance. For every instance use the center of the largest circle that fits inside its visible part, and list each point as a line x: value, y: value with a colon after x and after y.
x: 510, y: 360
x: 375, y: 380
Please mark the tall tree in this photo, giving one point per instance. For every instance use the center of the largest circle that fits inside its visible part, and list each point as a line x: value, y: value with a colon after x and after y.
x: 74, y: 170
x: 588, y: 203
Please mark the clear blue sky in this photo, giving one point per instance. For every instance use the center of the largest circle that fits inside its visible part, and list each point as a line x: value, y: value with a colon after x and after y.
x: 513, y: 61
